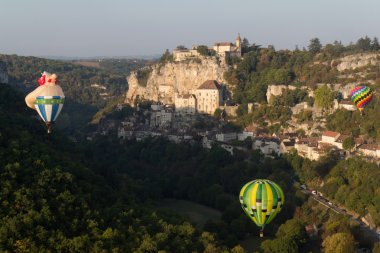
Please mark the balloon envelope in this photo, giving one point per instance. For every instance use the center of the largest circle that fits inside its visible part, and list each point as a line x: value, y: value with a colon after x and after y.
x: 261, y: 200
x: 361, y: 96
x: 49, y: 107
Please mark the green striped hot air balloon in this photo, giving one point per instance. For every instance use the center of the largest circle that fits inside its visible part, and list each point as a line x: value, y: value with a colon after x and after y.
x: 261, y: 200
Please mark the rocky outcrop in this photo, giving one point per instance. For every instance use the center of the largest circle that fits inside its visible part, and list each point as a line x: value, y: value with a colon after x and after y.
x: 276, y: 90
x: 356, y: 61
x: 162, y: 81
x: 3, y: 73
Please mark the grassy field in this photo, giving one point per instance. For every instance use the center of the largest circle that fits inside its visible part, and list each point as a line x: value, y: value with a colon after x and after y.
x: 197, y: 213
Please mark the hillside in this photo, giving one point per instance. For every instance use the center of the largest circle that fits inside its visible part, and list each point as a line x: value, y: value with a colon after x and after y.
x: 120, y: 66
x: 87, y: 89
x: 55, y: 198
x: 3, y: 73
x: 77, y: 81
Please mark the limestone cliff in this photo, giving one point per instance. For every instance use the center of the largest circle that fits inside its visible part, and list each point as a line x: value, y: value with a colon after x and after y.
x: 160, y: 82
x: 3, y: 73
x: 357, y: 61
x: 276, y: 90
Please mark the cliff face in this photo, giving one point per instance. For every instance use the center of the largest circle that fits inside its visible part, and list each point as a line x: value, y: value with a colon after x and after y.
x: 276, y: 90
x: 182, y: 77
x: 357, y: 61
x: 3, y: 73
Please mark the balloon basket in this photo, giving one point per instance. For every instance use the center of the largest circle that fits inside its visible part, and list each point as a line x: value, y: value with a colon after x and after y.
x: 261, y: 233
x: 49, y: 127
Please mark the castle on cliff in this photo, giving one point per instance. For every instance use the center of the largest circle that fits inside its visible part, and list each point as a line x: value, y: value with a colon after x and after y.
x: 221, y: 49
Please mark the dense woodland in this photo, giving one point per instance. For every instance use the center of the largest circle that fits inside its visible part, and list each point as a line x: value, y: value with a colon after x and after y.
x: 82, y: 100
x: 102, y: 195
x: 57, y: 195
x: 120, y: 66
x: 52, y: 198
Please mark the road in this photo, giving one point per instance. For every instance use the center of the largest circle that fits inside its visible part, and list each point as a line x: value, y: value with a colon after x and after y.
x: 372, y: 233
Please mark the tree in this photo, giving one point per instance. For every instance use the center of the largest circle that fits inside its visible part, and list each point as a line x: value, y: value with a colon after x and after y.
x: 248, y: 64
x: 245, y: 46
x: 203, y: 50
x: 289, y: 237
x: 315, y: 46
x: 348, y: 143
x: 324, y: 97
x: 375, y: 46
x: 181, y: 47
x: 166, y: 57
x: 218, y: 113
x: 339, y: 243
x: 364, y: 44
x: 279, y: 245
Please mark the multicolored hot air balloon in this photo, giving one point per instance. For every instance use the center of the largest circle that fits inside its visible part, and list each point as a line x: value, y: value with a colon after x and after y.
x: 47, y: 99
x: 261, y: 200
x: 361, y: 96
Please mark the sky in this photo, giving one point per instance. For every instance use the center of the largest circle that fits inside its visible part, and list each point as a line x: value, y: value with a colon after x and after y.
x: 119, y: 28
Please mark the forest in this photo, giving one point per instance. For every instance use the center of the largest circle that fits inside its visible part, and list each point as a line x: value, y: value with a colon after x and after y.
x: 98, y: 196
x: 104, y: 195
x: 83, y: 99
x: 261, y: 66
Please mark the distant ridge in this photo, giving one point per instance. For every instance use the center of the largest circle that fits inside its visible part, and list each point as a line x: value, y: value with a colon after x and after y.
x: 71, y: 58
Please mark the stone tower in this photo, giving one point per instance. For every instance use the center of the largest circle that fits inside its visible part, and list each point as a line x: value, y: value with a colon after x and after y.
x: 238, y: 41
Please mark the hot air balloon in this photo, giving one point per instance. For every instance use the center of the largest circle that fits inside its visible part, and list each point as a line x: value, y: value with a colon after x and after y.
x: 49, y: 107
x: 47, y: 99
x: 261, y: 200
x: 361, y: 96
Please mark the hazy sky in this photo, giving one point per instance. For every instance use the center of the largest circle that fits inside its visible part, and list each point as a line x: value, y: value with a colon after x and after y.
x: 142, y: 27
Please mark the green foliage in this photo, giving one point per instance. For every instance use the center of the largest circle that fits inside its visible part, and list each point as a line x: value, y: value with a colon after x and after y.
x: 82, y: 100
x: 112, y: 112
x: 248, y: 64
x: 353, y: 183
x: 60, y: 197
x: 364, y: 44
x: 273, y: 113
x: 348, y: 143
x: 246, y: 47
x: 166, y: 57
x: 218, y: 113
x: 324, y: 97
x: 355, y: 124
x: 75, y: 80
x: 122, y: 66
x: 290, y: 98
x: 315, y: 46
x: 289, y: 238
x: 304, y: 116
x: 181, y: 47
x: 339, y: 243
x: 142, y: 75
x: 203, y: 50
